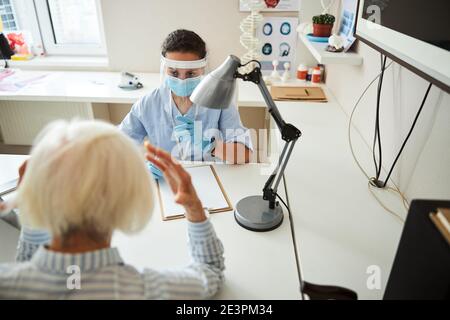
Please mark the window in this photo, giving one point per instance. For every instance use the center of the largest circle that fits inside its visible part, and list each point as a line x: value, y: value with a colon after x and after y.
x: 74, y: 22
x: 63, y: 27
x: 8, y: 15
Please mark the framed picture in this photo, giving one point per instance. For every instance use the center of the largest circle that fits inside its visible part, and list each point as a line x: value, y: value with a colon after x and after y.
x: 278, y: 41
x: 348, y: 18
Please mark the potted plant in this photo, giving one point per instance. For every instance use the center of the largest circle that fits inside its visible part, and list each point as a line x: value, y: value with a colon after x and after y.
x: 322, y: 25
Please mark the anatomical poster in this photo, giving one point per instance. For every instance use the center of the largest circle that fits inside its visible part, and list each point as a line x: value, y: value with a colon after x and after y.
x: 274, y: 5
x: 278, y: 41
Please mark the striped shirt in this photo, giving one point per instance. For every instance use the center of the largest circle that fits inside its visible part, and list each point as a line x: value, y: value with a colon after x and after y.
x: 102, y: 274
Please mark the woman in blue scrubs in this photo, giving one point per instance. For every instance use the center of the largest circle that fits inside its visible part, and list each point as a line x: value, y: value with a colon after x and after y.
x: 172, y: 122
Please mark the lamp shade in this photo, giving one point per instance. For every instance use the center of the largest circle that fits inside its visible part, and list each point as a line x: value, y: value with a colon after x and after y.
x: 217, y: 89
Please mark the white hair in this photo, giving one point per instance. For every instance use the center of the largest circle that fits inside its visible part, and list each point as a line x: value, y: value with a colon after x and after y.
x: 85, y: 175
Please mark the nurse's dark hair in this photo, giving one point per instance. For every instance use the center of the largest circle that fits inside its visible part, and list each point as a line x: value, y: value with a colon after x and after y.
x: 182, y: 40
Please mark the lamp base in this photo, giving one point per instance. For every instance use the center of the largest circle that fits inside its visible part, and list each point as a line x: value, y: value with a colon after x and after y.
x: 253, y: 213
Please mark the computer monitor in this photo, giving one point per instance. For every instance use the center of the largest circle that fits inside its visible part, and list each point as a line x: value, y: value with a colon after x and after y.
x: 414, y: 33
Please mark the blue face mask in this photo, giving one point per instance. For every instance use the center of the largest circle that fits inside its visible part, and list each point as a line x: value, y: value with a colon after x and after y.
x: 182, y: 88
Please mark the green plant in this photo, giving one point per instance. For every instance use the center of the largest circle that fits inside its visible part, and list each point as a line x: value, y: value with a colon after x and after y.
x: 324, y: 19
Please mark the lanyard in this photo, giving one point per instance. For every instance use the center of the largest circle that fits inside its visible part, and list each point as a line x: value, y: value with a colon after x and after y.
x: 172, y: 116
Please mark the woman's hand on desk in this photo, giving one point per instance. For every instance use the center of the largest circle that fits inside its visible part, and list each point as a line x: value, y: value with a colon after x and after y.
x: 179, y: 181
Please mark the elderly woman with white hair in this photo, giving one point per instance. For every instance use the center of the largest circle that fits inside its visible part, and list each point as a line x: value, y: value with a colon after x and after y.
x: 83, y: 181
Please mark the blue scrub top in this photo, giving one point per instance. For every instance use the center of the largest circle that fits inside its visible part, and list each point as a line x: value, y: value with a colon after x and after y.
x: 154, y: 116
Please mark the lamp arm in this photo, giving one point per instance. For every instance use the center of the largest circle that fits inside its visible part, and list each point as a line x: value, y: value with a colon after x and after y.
x: 271, y: 187
x: 256, y: 77
x: 289, y: 134
x: 271, y: 106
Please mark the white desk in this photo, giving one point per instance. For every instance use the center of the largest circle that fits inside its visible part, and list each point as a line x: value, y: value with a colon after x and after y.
x: 341, y: 230
x: 8, y: 167
x: 68, y: 94
x: 258, y: 265
x: 73, y: 86
x: 101, y: 87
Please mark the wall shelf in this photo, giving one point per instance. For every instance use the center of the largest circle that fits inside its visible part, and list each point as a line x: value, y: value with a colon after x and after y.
x: 324, y: 57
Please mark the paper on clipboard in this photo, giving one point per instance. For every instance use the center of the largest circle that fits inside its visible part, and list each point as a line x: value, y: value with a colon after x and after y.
x: 209, y: 190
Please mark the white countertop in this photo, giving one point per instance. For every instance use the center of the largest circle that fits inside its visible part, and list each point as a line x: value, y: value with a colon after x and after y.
x: 341, y: 229
x: 258, y: 265
x: 8, y: 167
x: 82, y: 86
x: 101, y: 87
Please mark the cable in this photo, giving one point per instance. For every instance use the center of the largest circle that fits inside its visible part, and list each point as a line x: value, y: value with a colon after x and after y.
x: 395, y: 189
x: 377, y: 134
x: 291, y: 220
x: 351, y: 118
x: 370, y: 186
x: 409, y: 134
x: 425, y: 143
x: 247, y: 63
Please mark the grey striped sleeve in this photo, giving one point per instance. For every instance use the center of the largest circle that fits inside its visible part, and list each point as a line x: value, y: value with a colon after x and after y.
x: 201, y: 279
x: 29, y: 242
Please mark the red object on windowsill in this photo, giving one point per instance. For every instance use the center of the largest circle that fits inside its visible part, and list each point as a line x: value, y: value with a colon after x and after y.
x: 322, y: 30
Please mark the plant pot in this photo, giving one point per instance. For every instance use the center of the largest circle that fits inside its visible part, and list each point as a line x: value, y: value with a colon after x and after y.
x: 322, y: 30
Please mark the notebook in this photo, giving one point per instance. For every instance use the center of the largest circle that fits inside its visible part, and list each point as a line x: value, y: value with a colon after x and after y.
x: 441, y: 220
x: 209, y: 190
x: 289, y: 93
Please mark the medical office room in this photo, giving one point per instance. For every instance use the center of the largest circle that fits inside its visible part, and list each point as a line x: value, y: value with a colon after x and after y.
x: 225, y: 150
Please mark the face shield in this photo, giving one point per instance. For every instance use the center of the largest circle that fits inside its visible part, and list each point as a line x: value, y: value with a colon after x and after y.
x: 179, y: 79
x: 182, y: 77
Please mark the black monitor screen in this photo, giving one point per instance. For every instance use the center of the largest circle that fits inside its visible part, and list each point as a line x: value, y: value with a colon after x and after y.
x: 424, y: 20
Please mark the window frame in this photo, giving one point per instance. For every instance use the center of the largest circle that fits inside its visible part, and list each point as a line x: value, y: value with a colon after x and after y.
x: 14, y: 13
x: 43, y: 32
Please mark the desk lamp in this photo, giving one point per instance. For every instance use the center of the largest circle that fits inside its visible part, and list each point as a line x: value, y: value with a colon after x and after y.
x: 216, y: 91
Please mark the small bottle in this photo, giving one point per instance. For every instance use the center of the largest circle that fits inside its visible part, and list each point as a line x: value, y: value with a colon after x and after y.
x: 322, y: 72
x: 309, y: 76
x: 316, y: 75
x: 302, y: 72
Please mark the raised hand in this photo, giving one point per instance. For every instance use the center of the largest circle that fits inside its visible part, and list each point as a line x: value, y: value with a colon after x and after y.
x: 179, y: 181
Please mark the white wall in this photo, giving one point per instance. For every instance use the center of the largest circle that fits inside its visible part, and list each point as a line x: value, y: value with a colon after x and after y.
x: 308, y: 9
x: 424, y: 169
x: 135, y: 29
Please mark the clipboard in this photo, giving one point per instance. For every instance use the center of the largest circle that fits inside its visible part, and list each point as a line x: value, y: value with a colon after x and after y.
x: 8, y: 187
x: 441, y: 220
x: 209, y: 189
x: 293, y: 93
